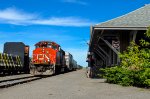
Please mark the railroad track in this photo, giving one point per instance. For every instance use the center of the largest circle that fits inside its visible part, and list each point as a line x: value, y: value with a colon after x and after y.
x: 20, y: 80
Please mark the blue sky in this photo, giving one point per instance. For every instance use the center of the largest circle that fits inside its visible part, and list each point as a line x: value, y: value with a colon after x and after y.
x: 66, y: 22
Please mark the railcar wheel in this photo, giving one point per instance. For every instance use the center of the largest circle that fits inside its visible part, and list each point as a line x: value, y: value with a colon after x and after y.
x: 54, y: 69
x: 32, y: 71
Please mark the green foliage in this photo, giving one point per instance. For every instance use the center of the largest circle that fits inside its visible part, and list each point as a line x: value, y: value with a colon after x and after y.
x: 134, y: 69
x: 144, y: 42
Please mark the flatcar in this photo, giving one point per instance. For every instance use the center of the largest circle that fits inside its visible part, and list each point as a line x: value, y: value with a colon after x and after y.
x: 48, y: 58
x: 15, y: 58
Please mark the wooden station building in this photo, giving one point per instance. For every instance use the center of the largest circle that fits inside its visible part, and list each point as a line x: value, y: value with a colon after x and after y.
x: 109, y: 38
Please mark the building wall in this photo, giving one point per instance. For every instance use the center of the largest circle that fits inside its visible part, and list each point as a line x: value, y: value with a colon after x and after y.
x: 123, y: 36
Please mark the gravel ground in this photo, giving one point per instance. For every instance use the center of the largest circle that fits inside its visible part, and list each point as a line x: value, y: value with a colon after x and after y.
x: 73, y: 85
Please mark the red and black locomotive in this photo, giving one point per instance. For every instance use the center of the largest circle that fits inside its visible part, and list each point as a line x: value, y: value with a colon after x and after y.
x: 48, y: 58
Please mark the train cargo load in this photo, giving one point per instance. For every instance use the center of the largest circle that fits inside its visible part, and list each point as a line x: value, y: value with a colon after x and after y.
x: 15, y: 58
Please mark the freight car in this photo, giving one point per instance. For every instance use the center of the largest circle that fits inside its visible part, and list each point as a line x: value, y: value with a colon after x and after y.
x: 69, y: 61
x: 75, y: 66
x: 48, y: 58
x: 15, y: 58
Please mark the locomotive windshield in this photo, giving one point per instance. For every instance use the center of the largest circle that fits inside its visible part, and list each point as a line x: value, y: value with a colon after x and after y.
x: 52, y: 46
x: 40, y: 46
x: 46, y: 45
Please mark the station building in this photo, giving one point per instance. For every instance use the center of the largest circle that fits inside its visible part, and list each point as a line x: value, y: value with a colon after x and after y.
x: 109, y: 38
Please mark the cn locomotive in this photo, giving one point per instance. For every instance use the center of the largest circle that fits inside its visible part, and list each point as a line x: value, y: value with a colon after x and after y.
x: 49, y: 58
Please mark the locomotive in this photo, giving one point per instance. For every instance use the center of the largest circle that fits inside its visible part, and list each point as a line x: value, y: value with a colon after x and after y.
x: 48, y: 58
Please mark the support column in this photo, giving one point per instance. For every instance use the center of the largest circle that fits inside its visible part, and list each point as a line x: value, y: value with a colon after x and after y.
x: 108, y: 56
x: 133, y: 35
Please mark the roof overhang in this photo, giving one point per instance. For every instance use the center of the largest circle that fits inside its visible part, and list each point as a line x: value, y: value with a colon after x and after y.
x: 120, y: 28
x: 95, y: 28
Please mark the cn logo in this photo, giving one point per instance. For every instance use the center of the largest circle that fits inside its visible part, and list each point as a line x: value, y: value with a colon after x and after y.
x: 116, y: 44
x: 41, y: 56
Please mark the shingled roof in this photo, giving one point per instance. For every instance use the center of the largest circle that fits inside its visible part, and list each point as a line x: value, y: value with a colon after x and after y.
x: 137, y: 18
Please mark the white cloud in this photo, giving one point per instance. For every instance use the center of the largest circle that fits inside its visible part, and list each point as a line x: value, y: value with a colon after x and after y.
x: 75, y: 1
x: 63, y: 21
x: 13, y: 16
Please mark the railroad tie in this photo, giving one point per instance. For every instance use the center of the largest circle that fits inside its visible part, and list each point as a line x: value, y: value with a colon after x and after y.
x: 3, y: 60
x: 19, y: 59
x: 12, y: 61
x: 6, y: 60
x: 20, y: 62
